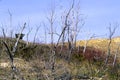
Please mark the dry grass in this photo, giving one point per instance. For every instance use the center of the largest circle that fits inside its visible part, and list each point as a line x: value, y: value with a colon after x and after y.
x: 32, y: 61
x: 102, y: 44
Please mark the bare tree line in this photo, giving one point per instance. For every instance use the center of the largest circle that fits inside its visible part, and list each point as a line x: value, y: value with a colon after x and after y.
x: 70, y: 30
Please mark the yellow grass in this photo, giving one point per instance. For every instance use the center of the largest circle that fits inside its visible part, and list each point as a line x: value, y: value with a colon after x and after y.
x: 101, y: 44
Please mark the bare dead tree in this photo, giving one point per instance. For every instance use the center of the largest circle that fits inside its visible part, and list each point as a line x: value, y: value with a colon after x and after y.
x: 10, y: 14
x: 30, y: 29
x: 15, y: 71
x: 12, y: 53
x: 11, y: 31
x: 9, y: 53
x: 77, y: 30
x: 63, y: 36
x: 111, y: 33
x: 66, y: 27
x: 68, y: 32
x: 45, y: 32
x: 76, y: 21
x: 65, y: 23
x: 28, y: 33
x: 115, y: 57
x: 37, y: 29
x: 3, y: 31
x: 86, y: 42
x: 51, y: 20
x: 16, y: 44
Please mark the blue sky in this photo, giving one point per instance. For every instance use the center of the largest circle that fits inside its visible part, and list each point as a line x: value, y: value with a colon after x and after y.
x: 100, y: 13
x: 97, y: 15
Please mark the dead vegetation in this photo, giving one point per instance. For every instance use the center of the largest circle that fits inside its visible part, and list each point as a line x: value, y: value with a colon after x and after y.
x: 65, y: 59
x: 34, y: 62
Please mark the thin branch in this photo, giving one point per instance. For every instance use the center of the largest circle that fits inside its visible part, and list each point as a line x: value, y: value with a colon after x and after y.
x: 8, y: 51
x: 51, y: 20
x: 16, y: 44
x: 66, y: 23
x: 115, y: 57
x: 111, y: 33
x: 3, y: 31
x: 37, y: 29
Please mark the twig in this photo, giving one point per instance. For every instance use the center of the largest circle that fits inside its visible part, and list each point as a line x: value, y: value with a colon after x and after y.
x: 9, y: 53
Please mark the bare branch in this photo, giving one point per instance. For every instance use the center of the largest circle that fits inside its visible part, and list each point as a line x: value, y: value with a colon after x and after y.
x: 15, y: 46
x: 51, y: 20
x: 29, y: 33
x: 8, y: 52
x: 3, y: 31
x: 115, y: 57
x: 37, y: 29
x: 66, y: 22
x: 86, y: 43
x: 111, y: 33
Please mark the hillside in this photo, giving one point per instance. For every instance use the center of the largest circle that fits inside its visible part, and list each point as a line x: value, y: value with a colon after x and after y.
x: 101, y: 44
x: 35, y: 61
